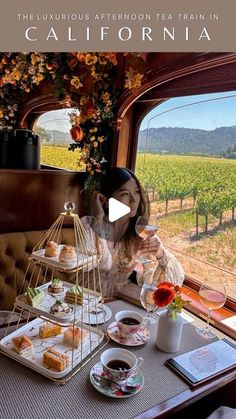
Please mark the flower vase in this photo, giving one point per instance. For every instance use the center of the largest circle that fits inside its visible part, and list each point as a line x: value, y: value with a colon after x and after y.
x: 169, y: 332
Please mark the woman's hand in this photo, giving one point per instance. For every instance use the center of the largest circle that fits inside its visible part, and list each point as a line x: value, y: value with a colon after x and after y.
x: 98, y: 200
x: 152, y: 245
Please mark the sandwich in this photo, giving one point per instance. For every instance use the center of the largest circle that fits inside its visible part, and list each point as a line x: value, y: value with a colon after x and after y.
x: 74, y: 336
x: 23, y: 346
x: 55, y: 359
x: 47, y: 330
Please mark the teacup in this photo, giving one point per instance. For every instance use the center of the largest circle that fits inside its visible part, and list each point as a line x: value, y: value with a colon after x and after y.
x: 119, y: 364
x: 130, y: 322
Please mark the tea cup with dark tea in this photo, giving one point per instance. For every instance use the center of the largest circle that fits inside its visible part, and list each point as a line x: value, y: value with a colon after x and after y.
x: 130, y: 322
x: 119, y: 364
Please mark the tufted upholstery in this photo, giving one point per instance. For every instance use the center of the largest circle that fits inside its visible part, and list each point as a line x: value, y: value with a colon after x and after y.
x: 15, y: 248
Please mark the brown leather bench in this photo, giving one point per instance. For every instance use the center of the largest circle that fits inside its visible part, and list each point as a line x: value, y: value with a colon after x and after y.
x: 15, y: 250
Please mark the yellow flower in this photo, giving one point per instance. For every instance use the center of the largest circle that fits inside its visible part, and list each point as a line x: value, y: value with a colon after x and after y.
x: 133, y: 79
x: 75, y: 81
x: 33, y: 59
x: 95, y: 144
x: 101, y: 139
x: 17, y: 74
x: 93, y: 138
x: 90, y: 59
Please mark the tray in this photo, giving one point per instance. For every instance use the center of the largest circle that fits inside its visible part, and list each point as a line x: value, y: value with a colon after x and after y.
x: 90, y: 300
x: 82, y: 260
x: 31, y: 329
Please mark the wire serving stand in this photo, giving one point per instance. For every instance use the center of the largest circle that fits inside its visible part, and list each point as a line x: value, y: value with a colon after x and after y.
x: 81, y: 272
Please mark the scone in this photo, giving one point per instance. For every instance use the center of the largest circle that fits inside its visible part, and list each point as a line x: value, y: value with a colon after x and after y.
x: 47, y: 330
x: 74, y: 335
x: 34, y: 296
x: 23, y: 346
x: 67, y: 254
x: 51, y: 249
x: 74, y: 295
x: 55, y: 359
x: 56, y: 286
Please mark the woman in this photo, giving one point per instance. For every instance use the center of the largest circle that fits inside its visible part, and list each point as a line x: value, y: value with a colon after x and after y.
x: 119, y: 244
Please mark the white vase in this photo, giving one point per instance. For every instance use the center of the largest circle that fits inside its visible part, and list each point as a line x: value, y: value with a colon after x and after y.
x: 169, y: 332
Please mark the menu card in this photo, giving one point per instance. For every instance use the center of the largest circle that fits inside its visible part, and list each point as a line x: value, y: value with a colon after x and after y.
x: 206, y: 362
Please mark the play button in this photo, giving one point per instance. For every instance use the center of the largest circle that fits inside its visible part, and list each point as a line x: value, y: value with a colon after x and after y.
x: 116, y: 210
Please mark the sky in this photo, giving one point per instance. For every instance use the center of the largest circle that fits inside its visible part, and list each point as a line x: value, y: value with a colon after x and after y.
x: 206, y: 112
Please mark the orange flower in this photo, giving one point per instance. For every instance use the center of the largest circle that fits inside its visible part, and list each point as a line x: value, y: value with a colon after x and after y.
x: 76, y: 133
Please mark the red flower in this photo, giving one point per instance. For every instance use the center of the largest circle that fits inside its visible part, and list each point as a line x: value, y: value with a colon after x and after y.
x: 164, y: 294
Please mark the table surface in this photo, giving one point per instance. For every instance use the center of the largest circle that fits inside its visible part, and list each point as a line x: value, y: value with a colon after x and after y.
x: 25, y: 393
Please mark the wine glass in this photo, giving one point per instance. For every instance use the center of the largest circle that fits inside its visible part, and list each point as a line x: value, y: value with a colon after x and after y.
x: 147, y: 301
x: 144, y: 231
x: 213, y: 296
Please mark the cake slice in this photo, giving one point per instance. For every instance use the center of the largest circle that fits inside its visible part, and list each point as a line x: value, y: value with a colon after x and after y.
x: 34, y: 296
x: 23, y: 346
x: 74, y: 335
x: 74, y: 295
x: 47, y: 330
x: 55, y: 359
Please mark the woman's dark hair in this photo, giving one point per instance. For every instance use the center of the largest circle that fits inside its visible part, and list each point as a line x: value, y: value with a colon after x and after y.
x: 112, y: 181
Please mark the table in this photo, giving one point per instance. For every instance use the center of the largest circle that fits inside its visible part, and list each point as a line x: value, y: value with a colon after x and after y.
x: 25, y: 393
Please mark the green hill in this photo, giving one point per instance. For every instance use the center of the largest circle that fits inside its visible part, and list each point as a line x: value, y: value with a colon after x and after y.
x: 187, y: 141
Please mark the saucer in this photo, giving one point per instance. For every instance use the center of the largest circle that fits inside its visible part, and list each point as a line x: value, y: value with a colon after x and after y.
x: 99, y: 318
x: 111, y: 389
x: 135, y: 340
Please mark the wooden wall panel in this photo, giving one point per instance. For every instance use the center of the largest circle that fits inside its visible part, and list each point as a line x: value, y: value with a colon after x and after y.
x: 33, y: 199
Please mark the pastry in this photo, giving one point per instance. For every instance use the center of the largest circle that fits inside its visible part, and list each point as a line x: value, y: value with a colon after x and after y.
x: 55, y: 359
x: 67, y: 254
x: 23, y: 346
x: 34, y: 296
x: 60, y: 309
x: 56, y: 286
x: 74, y: 295
x: 74, y: 336
x: 47, y: 330
x: 51, y: 249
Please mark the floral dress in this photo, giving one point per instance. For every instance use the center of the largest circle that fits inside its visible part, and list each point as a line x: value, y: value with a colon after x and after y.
x: 116, y: 267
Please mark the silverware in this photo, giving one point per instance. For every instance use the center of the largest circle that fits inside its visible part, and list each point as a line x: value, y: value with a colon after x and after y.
x: 141, y: 337
x: 104, y: 382
x: 97, y: 310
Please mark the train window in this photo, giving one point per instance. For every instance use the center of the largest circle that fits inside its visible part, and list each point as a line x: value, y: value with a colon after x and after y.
x: 53, y: 127
x: 187, y: 161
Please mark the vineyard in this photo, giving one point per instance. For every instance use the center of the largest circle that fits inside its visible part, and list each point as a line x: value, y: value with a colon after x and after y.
x: 210, y: 182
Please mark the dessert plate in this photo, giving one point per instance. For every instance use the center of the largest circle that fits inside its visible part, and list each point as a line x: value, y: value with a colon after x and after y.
x: 98, y: 315
x: 135, y: 340
x: 91, y: 298
x: 111, y: 389
x: 76, y: 356
x: 81, y: 260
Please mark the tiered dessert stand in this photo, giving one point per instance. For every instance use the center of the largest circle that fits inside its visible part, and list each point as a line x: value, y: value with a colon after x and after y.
x: 83, y: 274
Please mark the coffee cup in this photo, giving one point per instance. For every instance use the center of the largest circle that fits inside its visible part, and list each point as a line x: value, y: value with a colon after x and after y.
x: 130, y: 322
x: 119, y: 364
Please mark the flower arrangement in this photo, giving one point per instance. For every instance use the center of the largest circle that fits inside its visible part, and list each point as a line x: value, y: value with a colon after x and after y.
x: 91, y: 77
x: 169, y: 295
